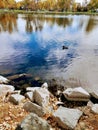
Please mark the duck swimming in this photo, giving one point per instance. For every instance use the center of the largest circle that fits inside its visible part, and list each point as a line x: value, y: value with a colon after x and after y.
x: 64, y: 47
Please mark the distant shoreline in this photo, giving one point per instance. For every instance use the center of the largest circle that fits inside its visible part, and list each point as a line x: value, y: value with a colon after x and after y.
x: 47, y: 12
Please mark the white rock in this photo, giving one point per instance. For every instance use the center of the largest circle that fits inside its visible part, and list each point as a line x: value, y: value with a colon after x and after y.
x: 3, y: 80
x: 58, y: 92
x: 95, y: 94
x: 59, y: 103
x: 66, y: 117
x: 95, y: 108
x: 29, y: 95
x: 16, y: 98
x: 32, y: 107
x: 32, y: 89
x: 17, y: 92
x: 33, y: 122
x: 41, y: 97
x: 6, y: 88
x: 45, y: 85
x: 90, y: 104
x: 76, y: 94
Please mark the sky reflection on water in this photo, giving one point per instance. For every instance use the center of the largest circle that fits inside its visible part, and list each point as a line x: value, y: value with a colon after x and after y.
x: 33, y: 44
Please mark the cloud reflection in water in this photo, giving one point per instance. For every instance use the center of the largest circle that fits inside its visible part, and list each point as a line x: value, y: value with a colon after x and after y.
x: 36, y: 47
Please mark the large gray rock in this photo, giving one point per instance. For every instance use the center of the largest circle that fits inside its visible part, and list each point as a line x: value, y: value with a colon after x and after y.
x: 41, y: 97
x: 76, y: 94
x: 6, y: 88
x: 3, y: 80
x: 67, y: 118
x: 32, y: 107
x: 16, y: 98
x: 33, y: 122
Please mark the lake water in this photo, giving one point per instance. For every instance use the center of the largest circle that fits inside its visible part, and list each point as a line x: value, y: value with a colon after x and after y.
x: 33, y: 44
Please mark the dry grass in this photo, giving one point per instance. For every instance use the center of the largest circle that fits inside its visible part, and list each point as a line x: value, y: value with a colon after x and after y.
x: 10, y: 114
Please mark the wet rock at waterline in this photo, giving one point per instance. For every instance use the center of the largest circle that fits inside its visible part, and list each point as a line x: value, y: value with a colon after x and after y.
x: 24, y: 80
x: 76, y: 94
x: 33, y: 122
x: 55, y: 86
x: 18, y: 77
x: 3, y: 80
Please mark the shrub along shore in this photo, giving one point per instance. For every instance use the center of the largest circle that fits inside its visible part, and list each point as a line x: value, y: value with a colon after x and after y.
x: 47, y: 12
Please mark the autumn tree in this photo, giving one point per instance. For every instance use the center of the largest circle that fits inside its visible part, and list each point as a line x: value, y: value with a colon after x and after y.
x: 2, y: 4
x: 19, y: 4
x: 93, y: 4
x: 33, y: 5
x: 28, y: 4
x: 64, y: 5
x: 40, y: 5
x: 7, y: 4
x: 11, y: 4
x: 51, y: 4
x: 68, y: 4
x: 74, y: 6
x: 25, y: 3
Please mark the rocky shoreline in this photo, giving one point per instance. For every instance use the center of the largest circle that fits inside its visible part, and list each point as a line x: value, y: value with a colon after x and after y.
x: 38, y: 105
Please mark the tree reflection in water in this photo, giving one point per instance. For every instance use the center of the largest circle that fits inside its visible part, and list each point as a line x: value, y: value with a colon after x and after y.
x: 8, y: 22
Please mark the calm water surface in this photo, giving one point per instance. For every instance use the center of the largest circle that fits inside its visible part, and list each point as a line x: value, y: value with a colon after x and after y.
x: 33, y: 44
